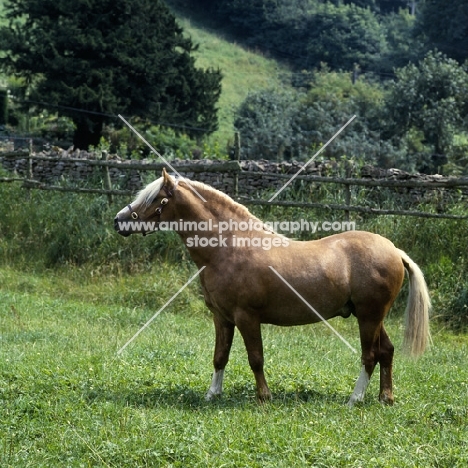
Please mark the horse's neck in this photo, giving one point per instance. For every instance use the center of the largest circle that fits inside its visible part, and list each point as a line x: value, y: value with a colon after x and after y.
x: 217, y: 207
x: 218, y: 219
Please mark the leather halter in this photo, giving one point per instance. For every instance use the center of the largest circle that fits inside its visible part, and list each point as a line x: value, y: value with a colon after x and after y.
x: 159, y: 209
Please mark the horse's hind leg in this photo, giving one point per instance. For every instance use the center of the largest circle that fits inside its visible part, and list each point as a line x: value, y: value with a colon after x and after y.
x: 369, y: 332
x: 224, y: 335
x: 385, y: 357
x: 376, y: 348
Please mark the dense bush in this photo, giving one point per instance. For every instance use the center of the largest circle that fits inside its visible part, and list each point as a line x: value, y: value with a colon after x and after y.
x: 443, y: 26
x: 267, y: 122
x: 307, y: 33
x: 430, y: 98
x: 285, y: 125
x: 376, y: 35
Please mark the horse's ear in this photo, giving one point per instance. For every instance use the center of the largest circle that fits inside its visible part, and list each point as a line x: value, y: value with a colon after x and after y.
x: 168, y: 180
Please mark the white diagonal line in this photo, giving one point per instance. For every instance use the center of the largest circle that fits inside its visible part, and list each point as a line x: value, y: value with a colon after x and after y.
x: 160, y: 310
x: 158, y: 154
x: 313, y: 310
x: 312, y: 158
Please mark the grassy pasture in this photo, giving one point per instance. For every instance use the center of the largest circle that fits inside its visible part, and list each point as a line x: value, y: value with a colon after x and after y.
x: 67, y: 399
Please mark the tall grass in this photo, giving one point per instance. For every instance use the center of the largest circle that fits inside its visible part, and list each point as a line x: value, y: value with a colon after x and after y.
x: 52, y: 229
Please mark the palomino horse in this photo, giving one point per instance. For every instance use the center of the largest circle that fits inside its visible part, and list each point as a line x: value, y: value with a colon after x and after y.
x: 353, y: 273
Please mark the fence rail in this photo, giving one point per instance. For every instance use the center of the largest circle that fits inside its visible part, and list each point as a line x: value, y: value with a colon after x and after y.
x: 357, y: 209
x: 234, y: 167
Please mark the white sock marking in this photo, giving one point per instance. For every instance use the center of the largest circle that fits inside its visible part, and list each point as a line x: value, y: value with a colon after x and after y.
x: 216, y: 387
x: 360, y: 388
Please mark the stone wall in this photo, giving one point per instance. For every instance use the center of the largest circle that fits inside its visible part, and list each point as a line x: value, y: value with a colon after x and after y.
x: 254, y: 178
x: 251, y: 180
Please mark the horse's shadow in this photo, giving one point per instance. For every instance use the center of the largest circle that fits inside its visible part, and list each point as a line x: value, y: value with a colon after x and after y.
x: 193, y: 399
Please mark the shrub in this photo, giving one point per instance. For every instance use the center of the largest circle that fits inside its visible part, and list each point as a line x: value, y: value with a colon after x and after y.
x: 49, y: 229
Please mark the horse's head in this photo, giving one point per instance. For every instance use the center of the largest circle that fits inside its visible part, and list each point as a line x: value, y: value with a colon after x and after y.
x: 151, y: 206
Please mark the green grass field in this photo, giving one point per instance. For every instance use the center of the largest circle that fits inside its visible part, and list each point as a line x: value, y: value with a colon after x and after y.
x: 67, y: 399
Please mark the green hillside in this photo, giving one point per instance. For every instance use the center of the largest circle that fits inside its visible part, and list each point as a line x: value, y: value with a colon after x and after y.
x: 243, y: 71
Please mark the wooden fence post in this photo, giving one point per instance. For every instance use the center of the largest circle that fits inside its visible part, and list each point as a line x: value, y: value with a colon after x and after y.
x: 237, y: 150
x: 347, y: 187
x: 29, y: 167
x: 106, y: 176
x: 29, y: 172
x: 347, y: 195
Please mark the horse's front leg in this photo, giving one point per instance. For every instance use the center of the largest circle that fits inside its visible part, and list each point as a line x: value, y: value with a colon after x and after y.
x: 250, y: 330
x: 224, y: 335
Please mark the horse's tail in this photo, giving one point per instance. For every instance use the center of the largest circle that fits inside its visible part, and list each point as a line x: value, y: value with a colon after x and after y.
x: 417, y: 334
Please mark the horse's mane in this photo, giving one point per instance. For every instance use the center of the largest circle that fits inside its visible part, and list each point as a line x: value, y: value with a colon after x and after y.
x: 237, y: 208
x: 217, y: 194
x: 147, y: 195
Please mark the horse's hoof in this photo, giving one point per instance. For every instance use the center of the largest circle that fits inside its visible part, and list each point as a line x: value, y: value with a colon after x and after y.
x: 264, y: 397
x: 210, y: 396
x: 386, y: 399
x: 352, y: 401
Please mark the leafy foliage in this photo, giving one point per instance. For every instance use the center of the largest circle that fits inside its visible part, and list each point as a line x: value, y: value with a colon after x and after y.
x: 430, y: 97
x: 278, y: 125
x: 399, y: 46
x: 266, y: 122
x: 332, y: 100
x: 342, y: 37
x: 307, y: 33
x: 444, y: 26
x: 98, y: 58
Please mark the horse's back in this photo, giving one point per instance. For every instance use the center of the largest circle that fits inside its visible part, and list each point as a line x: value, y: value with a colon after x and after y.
x: 346, y: 251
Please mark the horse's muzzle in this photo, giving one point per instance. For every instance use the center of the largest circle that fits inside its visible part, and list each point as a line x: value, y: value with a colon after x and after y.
x: 117, y: 228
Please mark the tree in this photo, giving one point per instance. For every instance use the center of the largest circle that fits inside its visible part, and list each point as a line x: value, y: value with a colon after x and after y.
x: 306, y: 33
x: 444, y: 26
x: 343, y: 36
x: 387, y: 6
x: 98, y: 58
x: 330, y: 102
x: 265, y: 121
x: 286, y: 125
x: 431, y: 98
x: 400, y: 46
